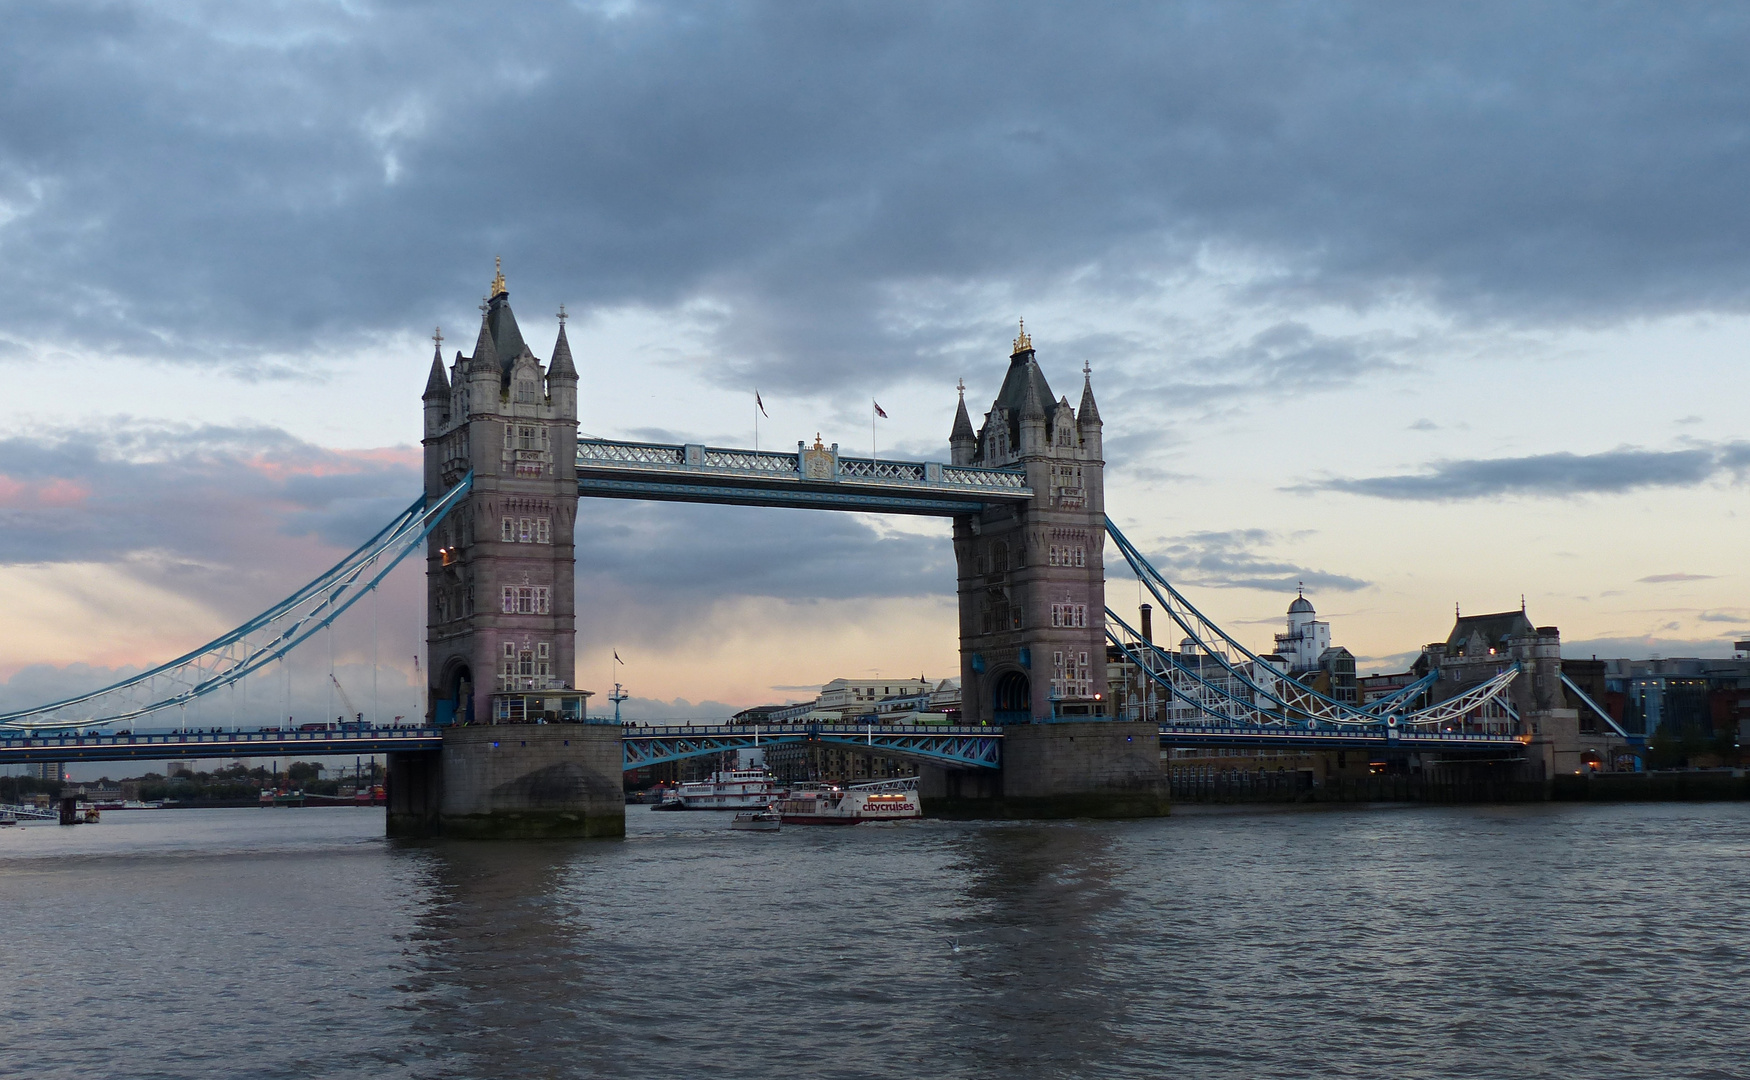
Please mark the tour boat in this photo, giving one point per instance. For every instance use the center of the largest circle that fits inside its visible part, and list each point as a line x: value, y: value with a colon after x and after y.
x: 756, y: 821
x: 829, y: 804
x: 731, y: 789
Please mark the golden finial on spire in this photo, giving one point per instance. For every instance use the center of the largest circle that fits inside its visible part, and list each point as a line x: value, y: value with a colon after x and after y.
x: 1022, y: 342
x: 497, y: 278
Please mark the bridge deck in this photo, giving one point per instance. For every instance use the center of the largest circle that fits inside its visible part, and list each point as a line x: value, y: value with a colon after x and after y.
x: 816, y: 479
x: 962, y: 747
x: 155, y: 746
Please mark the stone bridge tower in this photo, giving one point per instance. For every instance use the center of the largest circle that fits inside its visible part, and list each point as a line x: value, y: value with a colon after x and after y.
x: 1031, y: 577
x: 1032, y: 588
x: 499, y: 570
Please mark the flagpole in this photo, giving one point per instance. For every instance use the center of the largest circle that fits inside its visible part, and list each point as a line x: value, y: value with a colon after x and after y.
x: 873, y: 457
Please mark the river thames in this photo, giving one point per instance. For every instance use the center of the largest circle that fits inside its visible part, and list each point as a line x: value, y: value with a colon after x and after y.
x: 1549, y: 940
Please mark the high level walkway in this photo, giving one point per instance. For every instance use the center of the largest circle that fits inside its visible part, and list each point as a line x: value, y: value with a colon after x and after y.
x: 814, y: 478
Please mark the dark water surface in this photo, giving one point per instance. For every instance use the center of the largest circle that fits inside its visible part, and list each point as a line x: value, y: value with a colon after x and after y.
x: 1571, y: 941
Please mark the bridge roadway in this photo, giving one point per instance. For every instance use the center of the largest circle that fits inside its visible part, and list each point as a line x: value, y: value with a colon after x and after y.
x: 953, y: 747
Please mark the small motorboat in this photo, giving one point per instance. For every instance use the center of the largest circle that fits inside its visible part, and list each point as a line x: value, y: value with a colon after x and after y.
x: 757, y: 821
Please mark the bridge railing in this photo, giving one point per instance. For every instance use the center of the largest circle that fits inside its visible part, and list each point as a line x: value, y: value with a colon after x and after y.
x: 225, y: 738
x: 699, y: 459
x: 669, y: 731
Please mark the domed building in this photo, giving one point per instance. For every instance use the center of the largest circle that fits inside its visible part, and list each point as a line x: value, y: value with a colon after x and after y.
x: 1307, y: 637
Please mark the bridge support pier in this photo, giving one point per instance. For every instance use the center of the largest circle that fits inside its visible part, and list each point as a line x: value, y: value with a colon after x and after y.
x: 1075, y: 769
x: 414, y: 787
x: 512, y: 781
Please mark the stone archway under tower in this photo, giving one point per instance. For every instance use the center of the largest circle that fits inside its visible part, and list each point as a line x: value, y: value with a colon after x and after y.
x: 1012, y: 698
x: 454, y: 703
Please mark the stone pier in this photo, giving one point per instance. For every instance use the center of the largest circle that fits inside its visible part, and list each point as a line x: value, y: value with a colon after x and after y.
x: 511, y: 781
x: 1086, y: 769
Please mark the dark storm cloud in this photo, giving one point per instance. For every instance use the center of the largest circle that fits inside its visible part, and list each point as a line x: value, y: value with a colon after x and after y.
x: 1287, y: 359
x: 1563, y: 474
x: 229, y: 184
x: 1236, y: 559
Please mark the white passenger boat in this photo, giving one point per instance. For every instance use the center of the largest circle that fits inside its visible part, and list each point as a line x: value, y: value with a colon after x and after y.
x: 731, y: 789
x: 756, y: 821
x: 828, y: 804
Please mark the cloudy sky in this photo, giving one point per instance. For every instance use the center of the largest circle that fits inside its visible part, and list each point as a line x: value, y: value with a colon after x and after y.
x: 1422, y: 306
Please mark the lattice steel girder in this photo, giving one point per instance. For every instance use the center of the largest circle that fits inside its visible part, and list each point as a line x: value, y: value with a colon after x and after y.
x: 1456, y: 708
x: 968, y: 748
x: 153, y: 747
x: 696, y: 473
x: 638, y: 751
x: 847, y: 496
x: 983, y: 752
x: 1333, y: 738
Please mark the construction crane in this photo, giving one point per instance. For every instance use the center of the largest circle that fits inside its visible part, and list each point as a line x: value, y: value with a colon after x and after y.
x: 358, y: 717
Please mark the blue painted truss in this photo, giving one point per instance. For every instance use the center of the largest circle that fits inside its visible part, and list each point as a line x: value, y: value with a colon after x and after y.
x: 1387, y: 736
x: 175, y: 745
x: 960, y: 747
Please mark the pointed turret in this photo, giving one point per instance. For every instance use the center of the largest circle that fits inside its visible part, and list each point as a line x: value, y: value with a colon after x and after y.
x: 437, y: 385
x: 962, y: 441
x: 561, y: 367
x: 1089, y: 413
x: 437, y: 389
x: 1088, y: 418
x: 485, y: 355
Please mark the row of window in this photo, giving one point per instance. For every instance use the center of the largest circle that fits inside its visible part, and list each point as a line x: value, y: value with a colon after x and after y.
x: 525, y: 437
x: 525, y: 667
x: 525, y: 531
x: 1071, y: 675
x: 996, y: 560
x: 455, y: 603
x: 1001, y: 616
x: 527, y: 599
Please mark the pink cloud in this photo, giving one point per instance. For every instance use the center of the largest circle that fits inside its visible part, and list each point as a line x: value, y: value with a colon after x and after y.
x: 20, y: 495
x: 336, y: 462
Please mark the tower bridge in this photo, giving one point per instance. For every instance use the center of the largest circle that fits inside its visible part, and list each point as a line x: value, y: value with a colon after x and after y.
x: 508, y: 747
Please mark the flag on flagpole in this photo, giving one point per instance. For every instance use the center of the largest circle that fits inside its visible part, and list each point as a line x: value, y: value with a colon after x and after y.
x: 761, y: 404
x: 617, y: 659
x: 879, y: 411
